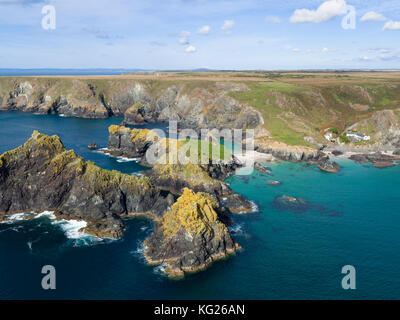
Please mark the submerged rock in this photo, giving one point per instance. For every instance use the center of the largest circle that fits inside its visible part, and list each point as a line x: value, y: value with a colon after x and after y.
x: 274, y: 183
x: 383, y: 164
x: 287, y: 203
x: 190, y: 235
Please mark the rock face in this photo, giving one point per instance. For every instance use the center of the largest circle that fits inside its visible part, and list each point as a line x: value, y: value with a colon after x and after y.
x: 41, y: 175
x: 193, y: 105
x: 190, y: 235
x: 127, y: 142
x: 288, y: 153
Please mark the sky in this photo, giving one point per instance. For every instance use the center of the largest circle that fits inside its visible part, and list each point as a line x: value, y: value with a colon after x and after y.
x: 191, y: 34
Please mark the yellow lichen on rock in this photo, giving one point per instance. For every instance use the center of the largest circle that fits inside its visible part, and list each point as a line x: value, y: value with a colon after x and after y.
x: 192, y: 211
x: 52, y: 144
x: 143, y: 135
x: 114, y: 129
x: 59, y: 162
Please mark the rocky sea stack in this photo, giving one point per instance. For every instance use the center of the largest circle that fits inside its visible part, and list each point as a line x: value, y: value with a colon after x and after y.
x: 190, y: 235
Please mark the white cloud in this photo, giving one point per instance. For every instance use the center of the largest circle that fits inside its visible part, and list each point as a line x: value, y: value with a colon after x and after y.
x: 365, y: 58
x: 183, y: 37
x: 296, y: 50
x: 204, y: 30
x: 392, y: 25
x: 326, y: 11
x: 273, y: 19
x: 325, y: 50
x: 190, y: 49
x: 227, y: 26
x: 372, y: 16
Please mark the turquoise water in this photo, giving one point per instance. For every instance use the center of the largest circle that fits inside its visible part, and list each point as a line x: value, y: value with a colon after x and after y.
x: 354, y: 219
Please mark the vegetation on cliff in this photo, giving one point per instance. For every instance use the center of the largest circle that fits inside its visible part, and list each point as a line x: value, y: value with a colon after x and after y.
x: 192, y: 211
x: 190, y: 235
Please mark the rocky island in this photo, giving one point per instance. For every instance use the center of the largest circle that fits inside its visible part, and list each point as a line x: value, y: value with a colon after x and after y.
x: 42, y: 175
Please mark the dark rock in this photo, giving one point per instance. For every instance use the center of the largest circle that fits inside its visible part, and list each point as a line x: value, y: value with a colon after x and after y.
x: 286, y: 203
x: 337, y: 153
x: 236, y: 203
x: 92, y: 146
x: 396, y: 152
x: 328, y: 166
x: 374, y: 157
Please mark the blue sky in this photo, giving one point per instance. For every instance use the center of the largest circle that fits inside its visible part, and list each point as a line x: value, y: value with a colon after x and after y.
x: 187, y: 34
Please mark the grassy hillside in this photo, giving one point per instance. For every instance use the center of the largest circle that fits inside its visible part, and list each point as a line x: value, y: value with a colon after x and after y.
x: 293, y: 110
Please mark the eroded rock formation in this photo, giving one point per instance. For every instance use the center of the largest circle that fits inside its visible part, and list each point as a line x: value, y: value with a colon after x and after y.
x: 190, y: 235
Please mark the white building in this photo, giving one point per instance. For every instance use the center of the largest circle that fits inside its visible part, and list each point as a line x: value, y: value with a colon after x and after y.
x: 357, y: 136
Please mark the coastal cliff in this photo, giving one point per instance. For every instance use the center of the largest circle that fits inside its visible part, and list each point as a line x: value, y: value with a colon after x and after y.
x: 291, y: 116
x: 193, y: 104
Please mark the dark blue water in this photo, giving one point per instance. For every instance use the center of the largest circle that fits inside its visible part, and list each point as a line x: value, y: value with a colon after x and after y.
x: 353, y: 218
x: 65, y: 72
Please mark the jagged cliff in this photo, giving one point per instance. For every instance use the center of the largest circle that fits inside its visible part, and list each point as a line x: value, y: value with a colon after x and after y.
x: 190, y: 235
x: 41, y: 175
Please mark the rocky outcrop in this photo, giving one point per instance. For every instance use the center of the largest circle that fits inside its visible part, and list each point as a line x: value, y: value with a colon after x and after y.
x: 41, y: 175
x: 123, y: 141
x: 329, y: 166
x: 372, y: 157
x: 289, y: 153
x: 236, y: 203
x: 189, y: 236
x: 378, y: 159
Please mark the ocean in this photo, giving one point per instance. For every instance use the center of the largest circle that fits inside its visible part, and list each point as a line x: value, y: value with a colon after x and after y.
x: 9, y: 72
x: 353, y: 219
